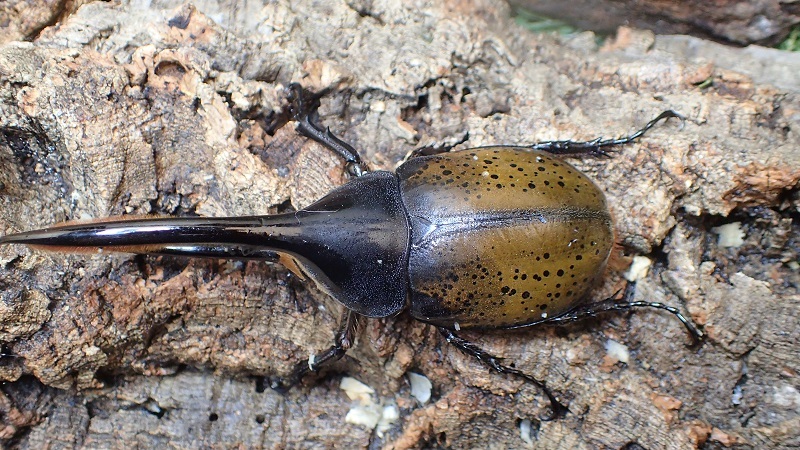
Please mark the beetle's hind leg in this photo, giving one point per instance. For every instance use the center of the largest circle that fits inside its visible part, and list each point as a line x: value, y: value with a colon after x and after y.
x: 343, y: 340
x: 557, y: 409
x: 304, y: 112
x: 598, y: 146
x: 623, y: 304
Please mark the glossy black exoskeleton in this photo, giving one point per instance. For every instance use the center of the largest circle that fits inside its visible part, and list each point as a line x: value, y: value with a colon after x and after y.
x: 486, y: 238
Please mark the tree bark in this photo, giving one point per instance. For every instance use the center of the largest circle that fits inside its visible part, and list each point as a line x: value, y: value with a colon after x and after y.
x: 765, y: 22
x: 117, y: 110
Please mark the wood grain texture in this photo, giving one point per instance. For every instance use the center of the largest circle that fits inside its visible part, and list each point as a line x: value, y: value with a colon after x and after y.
x: 118, y: 110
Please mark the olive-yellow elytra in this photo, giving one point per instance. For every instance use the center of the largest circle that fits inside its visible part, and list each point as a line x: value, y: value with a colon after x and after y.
x: 491, y: 237
x: 501, y: 237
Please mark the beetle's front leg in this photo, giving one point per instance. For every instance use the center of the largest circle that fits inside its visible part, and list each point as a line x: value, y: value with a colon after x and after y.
x: 304, y: 112
x: 597, y: 146
x: 557, y: 409
x: 343, y: 340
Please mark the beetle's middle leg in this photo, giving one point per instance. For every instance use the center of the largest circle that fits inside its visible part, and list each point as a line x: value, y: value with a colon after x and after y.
x: 558, y: 410
x: 598, y: 146
x: 623, y: 304
x: 344, y: 339
x: 304, y: 112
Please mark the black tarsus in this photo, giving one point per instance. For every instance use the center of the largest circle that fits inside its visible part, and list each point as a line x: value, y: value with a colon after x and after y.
x: 596, y: 146
x: 566, y: 147
x: 557, y: 410
x: 304, y: 112
x: 623, y: 304
x: 343, y: 340
x: 586, y: 311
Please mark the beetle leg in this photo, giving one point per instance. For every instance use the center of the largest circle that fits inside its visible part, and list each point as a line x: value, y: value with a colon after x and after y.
x: 435, y: 149
x: 429, y: 150
x: 343, y: 340
x: 557, y: 409
x: 304, y: 112
x: 624, y: 304
x: 597, y: 146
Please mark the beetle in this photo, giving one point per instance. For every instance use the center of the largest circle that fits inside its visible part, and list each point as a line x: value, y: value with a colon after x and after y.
x: 484, y: 238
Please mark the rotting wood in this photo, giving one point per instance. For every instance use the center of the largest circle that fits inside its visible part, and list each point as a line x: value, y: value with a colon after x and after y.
x: 99, y: 118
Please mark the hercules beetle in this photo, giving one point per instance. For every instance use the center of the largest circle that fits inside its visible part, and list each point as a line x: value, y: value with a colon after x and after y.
x: 482, y: 238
